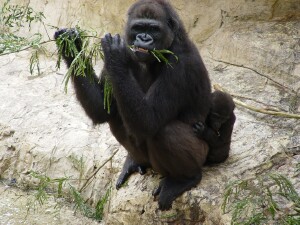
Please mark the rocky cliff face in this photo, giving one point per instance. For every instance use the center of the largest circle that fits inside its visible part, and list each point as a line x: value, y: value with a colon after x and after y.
x: 251, y: 48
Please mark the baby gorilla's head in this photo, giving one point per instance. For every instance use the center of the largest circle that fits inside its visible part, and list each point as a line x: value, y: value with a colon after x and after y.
x: 221, y: 110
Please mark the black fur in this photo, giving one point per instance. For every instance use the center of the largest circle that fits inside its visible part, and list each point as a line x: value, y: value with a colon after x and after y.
x: 218, y: 129
x: 155, y: 105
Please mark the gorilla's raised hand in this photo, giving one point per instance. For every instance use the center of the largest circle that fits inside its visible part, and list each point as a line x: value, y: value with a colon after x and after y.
x: 116, y: 53
x: 71, y: 34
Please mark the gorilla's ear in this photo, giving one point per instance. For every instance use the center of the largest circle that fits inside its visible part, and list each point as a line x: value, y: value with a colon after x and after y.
x: 173, y: 23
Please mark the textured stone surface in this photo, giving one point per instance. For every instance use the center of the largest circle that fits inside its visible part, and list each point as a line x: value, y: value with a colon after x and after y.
x: 16, y: 208
x: 251, y: 48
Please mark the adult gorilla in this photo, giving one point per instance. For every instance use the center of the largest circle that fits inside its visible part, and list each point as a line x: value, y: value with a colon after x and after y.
x: 155, y: 104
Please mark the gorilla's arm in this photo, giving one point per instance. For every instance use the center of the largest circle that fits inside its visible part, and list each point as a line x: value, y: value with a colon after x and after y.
x: 216, y: 138
x: 91, y: 96
x: 144, y: 113
x: 89, y: 90
x: 206, y: 133
x: 227, y: 128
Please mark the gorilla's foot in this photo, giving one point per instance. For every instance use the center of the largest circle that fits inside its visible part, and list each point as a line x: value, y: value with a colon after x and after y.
x: 169, y: 189
x: 129, y: 168
x: 199, y: 128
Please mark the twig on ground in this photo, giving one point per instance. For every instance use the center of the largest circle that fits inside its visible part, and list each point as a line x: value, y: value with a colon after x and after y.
x: 264, y: 111
x: 87, y: 182
x: 290, y: 90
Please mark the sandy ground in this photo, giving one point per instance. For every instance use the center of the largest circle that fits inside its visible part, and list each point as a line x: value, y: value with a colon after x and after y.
x: 16, y: 207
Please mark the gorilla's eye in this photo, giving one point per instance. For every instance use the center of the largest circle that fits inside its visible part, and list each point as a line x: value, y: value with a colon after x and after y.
x: 154, y: 28
x: 137, y: 27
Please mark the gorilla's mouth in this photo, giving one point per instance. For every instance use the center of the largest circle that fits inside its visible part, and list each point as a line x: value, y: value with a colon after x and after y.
x: 139, y: 49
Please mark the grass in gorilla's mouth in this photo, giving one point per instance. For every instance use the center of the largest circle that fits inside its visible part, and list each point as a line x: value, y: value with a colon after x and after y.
x: 139, y: 49
x: 158, y: 54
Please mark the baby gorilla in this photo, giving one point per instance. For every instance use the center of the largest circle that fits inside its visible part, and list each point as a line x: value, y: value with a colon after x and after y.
x: 218, y: 127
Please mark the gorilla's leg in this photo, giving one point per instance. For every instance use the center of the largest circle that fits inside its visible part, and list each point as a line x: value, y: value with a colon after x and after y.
x: 137, y: 157
x: 169, y: 189
x: 178, y: 154
x: 129, y: 168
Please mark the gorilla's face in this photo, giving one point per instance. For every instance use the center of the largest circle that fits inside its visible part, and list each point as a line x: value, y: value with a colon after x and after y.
x: 221, y: 109
x: 215, y: 120
x: 148, y: 29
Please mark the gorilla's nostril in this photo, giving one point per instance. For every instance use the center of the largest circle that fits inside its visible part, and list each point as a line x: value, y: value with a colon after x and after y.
x: 146, y: 38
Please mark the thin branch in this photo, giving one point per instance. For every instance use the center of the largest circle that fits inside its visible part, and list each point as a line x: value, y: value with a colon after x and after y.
x: 46, y: 30
x: 96, y: 171
x: 267, y: 107
x: 91, y: 36
x: 252, y: 108
x: 26, y: 48
x: 261, y: 74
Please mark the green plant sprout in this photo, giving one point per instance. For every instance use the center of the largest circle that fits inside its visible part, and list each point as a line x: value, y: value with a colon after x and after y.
x: 264, y: 200
x: 12, y: 19
x: 108, y: 94
x: 17, y: 16
x: 35, y: 63
x: 46, y: 184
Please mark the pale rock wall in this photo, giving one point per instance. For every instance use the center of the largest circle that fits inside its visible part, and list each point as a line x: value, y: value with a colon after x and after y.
x: 201, y: 17
x: 248, y: 46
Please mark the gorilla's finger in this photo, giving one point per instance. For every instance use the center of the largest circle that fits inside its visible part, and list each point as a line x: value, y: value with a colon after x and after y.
x: 118, y: 39
x: 107, y: 40
x: 198, y: 126
x: 59, y: 32
x: 156, y: 191
x: 122, y: 179
x: 142, y: 170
